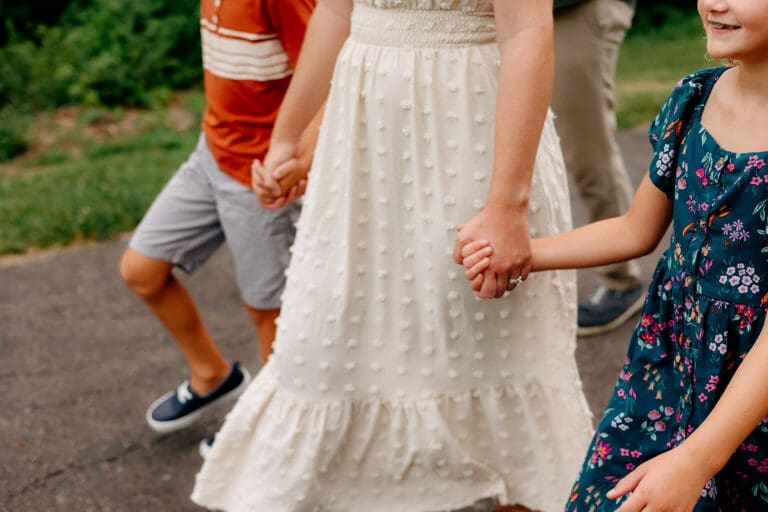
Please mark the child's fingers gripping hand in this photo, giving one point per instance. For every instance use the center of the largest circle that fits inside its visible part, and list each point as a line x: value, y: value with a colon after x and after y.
x: 260, y: 186
x: 476, y: 258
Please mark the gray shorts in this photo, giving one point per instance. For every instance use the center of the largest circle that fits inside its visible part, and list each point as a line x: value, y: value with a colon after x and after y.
x: 199, y: 208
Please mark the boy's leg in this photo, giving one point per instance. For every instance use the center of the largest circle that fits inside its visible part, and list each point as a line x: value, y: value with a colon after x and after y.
x: 264, y: 322
x: 152, y: 280
x: 259, y: 240
x: 182, y: 229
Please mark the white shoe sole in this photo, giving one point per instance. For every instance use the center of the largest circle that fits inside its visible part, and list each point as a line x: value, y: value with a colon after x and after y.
x: 165, y: 427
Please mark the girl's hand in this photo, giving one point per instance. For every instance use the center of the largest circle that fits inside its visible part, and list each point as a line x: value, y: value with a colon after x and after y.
x: 670, y: 482
x: 506, y: 231
x: 476, y: 258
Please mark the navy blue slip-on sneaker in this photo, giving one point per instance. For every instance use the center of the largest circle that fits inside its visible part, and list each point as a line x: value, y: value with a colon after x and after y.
x: 606, y: 309
x: 180, y: 408
x: 205, y: 447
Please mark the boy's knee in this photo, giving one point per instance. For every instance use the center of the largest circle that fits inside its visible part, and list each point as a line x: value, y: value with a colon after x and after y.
x: 144, y: 275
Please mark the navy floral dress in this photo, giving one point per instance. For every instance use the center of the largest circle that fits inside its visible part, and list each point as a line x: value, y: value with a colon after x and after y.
x: 704, y: 310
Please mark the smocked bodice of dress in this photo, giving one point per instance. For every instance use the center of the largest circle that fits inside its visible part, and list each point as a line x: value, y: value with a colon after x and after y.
x: 469, y: 6
x: 423, y: 24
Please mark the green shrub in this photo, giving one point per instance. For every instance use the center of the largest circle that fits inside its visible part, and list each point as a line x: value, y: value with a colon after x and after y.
x: 14, y: 132
x: 110, y: 52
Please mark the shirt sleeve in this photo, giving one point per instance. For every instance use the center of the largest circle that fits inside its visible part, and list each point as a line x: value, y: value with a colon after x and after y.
x: 289, y: 19
x: 669, y: 127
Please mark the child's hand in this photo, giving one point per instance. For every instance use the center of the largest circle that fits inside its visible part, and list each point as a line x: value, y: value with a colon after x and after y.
x: 476, y: 258
x: 293, y: 173
x: 265, y: 177
x: 670, y: 482
x: 506, y: 230
x: 267, y: 189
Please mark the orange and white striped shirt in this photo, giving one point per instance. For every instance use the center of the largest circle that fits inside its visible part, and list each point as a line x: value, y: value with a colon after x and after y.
x: 250, y: 48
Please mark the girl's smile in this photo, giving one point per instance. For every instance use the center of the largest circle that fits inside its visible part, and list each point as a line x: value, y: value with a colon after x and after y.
x: 736, y: 29
x: 722, y: 27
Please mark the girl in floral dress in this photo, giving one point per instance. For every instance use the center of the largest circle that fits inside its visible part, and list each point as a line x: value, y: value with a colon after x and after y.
x: 687, y: 427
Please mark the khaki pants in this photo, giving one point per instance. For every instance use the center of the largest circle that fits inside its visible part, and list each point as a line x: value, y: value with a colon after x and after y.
x: 587, y: 40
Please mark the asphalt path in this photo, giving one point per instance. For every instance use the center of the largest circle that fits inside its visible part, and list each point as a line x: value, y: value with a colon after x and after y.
x: 81, y: 357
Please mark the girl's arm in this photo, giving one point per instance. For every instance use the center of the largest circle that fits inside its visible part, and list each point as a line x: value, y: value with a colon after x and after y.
x: 634, y: 234
x: 525, y: 40
x: 674, y: 480
x: 327, y: 30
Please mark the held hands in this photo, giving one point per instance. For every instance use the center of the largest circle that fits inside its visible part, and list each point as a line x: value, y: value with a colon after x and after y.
x: 670, y: 482
x: 494, y: 247
x: 282, y: 177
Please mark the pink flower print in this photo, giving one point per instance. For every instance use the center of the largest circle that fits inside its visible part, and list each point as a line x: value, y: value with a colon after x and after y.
x: 630, y: 466
x: 735, y: 280
x: 754, y: 161
x: 704, y: 206
x: 601, y: 452
x: 636, y: 454
x: 682, y: 183
x: 691, y: 204
x: 751, y: 447
x: 752, y: 462
x: 654, y: 415
x: 702, y: 397
x: 624, y: 452
x: 756, y: 180
x: 710, y: 387
x: 669, y: 411
x: 660, y: 426
x: 715, y: 378
x: 700, y: 173
x: 730, y: 167
x: 620, y: 393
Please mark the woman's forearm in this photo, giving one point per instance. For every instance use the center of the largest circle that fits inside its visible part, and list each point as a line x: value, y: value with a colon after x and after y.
x: 327, y: 30
x: 525, y: 84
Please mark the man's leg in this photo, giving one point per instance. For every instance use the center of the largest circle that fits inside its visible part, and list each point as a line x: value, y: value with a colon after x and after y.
x: 152, y: 280
x: 587, y: 41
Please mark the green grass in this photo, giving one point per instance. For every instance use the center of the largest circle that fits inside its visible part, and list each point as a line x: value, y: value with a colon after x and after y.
x: 650, y: 64
x: 59, y: 198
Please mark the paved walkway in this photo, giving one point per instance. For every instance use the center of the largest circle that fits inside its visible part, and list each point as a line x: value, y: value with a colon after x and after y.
x: 81, y: 357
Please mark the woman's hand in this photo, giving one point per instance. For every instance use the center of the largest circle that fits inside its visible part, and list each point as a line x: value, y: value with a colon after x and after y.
x: 271, y: 192
x: 506, y: 231
x: 670, y: 482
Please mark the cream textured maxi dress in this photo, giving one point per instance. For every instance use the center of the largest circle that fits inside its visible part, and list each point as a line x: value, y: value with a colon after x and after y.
x: 392, y: 388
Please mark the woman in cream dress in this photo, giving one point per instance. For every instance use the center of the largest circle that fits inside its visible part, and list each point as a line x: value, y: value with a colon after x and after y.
x: 391, y: 387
